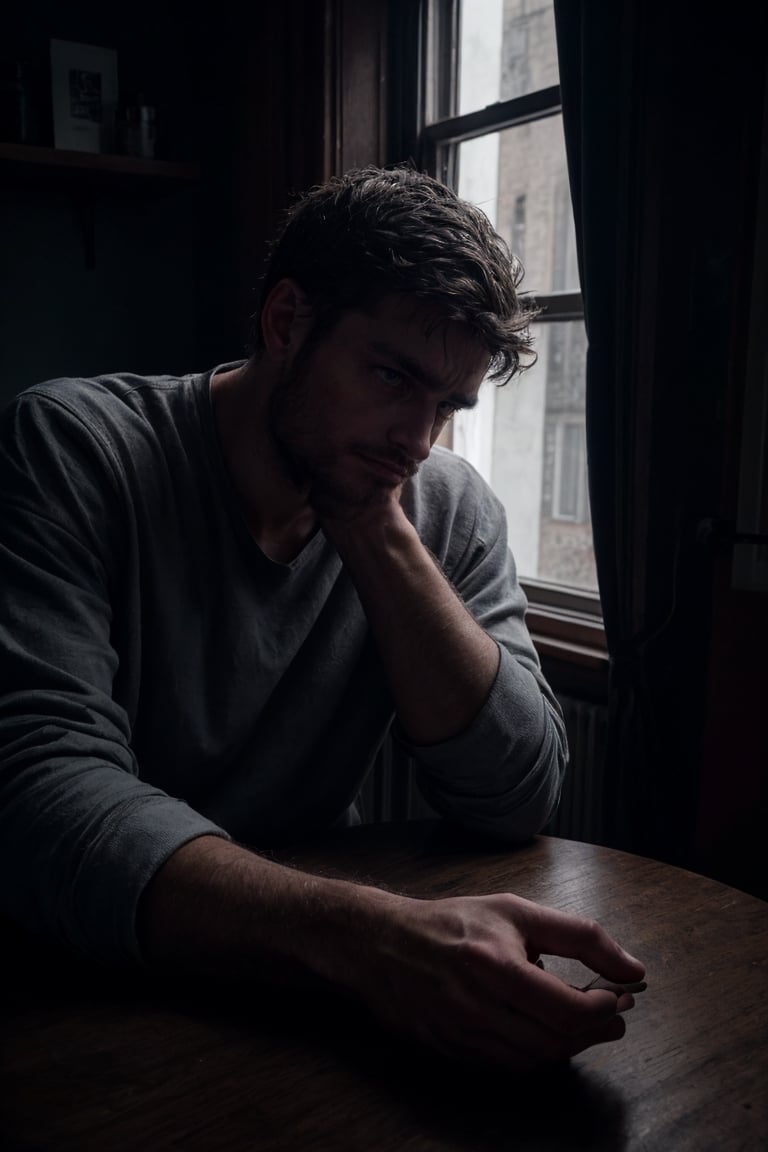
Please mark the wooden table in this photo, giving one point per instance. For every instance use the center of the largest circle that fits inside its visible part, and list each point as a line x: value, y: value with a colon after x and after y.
x: 95, y: 1064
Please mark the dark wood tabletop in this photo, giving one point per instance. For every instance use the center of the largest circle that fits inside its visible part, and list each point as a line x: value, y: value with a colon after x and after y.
x: 91, y: 1062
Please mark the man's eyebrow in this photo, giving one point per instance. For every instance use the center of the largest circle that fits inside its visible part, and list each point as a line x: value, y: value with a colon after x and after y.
x: 418, y: 372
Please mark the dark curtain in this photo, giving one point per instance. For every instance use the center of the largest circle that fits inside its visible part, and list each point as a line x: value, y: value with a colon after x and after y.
x: 661, y: 107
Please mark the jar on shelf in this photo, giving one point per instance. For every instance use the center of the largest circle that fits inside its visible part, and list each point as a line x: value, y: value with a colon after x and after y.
x: 135, y: 126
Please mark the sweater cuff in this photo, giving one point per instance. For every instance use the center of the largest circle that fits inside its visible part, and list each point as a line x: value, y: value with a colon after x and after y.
x: 129, y: 850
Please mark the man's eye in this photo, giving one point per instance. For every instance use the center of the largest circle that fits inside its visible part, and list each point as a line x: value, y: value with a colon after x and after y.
x: 446, y: 410
x: 391, y: 377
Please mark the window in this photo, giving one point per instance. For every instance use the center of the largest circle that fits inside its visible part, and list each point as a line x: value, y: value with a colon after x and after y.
x: 568, y: 496
x: 492, y: 128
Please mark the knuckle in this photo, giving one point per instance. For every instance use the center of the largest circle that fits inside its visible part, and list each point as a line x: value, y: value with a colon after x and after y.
x: 593, y: 932
x: 474, y: 954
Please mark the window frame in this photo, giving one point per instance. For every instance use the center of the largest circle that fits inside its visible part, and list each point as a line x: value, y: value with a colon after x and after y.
x: 566, y: 623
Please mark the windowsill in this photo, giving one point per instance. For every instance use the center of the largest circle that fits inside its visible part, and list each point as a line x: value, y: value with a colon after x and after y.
x: 573, y: 635
x: 558, y: 649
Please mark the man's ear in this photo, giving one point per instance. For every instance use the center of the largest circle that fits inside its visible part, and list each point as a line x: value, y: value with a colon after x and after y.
x: 286, y: 319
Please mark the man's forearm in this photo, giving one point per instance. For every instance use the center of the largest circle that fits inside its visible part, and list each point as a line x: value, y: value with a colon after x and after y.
x: 456, y: 972
x: 216, y: 907
x: 440, y: 663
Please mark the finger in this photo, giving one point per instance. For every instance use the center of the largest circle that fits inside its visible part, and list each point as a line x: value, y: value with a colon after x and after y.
x: 558, y: 1005
x: 542, y: 1043
x: 544, y: 998
x: 561, y: 934
x: 606, y: 1034
x: 612, y: 986
x: 516, y: 1041
x: 625, y: 1002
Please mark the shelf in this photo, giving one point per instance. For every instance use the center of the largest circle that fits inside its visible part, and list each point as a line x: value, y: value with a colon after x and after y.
x: 59, y: 158
x: 87, y: 176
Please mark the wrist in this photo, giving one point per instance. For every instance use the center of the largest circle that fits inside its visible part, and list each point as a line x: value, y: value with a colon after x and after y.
x: 380, y: 529
x: 215, y: 906
x: 342, y: 931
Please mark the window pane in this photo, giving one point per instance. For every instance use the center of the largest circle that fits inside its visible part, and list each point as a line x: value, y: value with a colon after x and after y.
x: 507, y: 49
x: 567, y: 497
x: 527, y: 438
x: 519, y: 177
x: 538, y: 464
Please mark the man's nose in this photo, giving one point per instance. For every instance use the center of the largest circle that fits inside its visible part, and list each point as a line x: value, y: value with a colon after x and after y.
x: 412, y: 434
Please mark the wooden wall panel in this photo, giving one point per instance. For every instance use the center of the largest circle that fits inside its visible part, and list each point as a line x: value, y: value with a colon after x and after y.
x: 311, y: 103
x: 280, y: 62
x: 356, y: 92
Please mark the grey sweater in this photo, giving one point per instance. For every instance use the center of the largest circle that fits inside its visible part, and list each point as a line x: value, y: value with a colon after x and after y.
x: 161, y: 678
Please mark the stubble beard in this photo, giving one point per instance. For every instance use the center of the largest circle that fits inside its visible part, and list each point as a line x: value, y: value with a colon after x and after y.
x: 290, y: 429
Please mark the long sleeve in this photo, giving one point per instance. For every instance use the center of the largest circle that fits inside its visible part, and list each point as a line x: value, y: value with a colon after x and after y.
x: 503, y: 774
x: 161, y: 679
x: 80, y: 833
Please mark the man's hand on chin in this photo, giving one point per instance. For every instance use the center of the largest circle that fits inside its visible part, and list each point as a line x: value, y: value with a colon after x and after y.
x: 359, y: 512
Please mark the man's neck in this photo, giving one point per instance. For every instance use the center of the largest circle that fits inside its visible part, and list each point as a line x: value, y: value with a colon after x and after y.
x: 277, y: 513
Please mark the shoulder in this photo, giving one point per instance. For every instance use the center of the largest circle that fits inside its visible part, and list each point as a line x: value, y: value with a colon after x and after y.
x: 452, y: 506
x: 98, y: 398
x: 448, y: 483
x: 112, y: 415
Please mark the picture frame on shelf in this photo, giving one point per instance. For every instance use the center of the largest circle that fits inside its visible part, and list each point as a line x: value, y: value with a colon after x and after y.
x: 84, y: 93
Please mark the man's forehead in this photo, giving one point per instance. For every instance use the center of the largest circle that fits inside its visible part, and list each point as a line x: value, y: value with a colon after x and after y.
x: 418, y: 330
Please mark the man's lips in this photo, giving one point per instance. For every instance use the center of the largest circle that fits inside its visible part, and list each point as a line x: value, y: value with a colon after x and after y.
x: 394, y: 470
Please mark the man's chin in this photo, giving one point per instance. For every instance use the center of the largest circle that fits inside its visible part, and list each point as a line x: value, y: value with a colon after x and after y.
x: 347, y: 501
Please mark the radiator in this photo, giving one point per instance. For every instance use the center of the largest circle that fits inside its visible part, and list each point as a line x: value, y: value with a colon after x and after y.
x: 581, y: 814
x: 390, y: 792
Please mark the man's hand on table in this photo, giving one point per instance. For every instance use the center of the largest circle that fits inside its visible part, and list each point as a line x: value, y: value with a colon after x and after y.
x: 460, y: 974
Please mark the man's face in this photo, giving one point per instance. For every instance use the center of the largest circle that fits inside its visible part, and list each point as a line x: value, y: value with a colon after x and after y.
x: 355, y: 414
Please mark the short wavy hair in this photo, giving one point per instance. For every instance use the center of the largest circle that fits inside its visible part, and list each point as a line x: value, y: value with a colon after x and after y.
x: 374, y: 232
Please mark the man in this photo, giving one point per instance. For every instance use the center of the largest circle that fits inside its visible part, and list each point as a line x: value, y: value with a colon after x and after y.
x: 220, y: 591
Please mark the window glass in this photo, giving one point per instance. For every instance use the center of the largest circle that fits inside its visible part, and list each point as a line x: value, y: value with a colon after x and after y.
x: 568, y: 482
x: 528, y: 440
x: 519, y: 177
x: 525, y: 29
